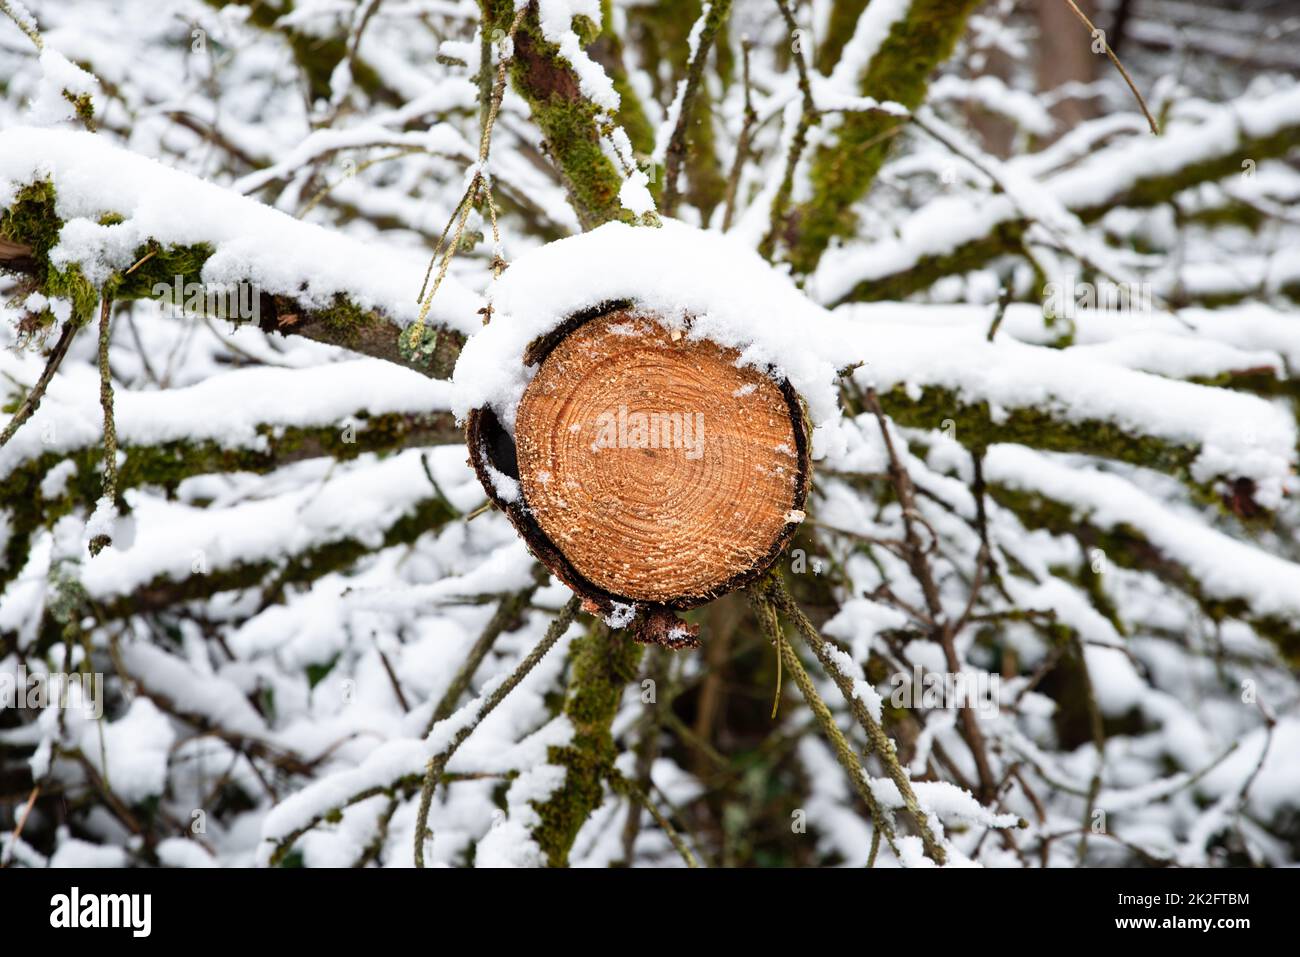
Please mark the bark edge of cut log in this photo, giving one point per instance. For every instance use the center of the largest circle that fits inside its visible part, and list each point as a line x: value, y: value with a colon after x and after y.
x: 617, y: 595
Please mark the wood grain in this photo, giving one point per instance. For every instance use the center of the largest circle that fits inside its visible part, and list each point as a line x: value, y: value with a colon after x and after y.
x: 660, y: 469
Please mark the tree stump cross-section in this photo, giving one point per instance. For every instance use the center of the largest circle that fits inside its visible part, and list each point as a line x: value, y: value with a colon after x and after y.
x: 648, y: 468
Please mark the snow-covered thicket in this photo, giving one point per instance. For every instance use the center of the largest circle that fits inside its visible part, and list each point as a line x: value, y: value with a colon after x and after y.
x: 1050, y: 357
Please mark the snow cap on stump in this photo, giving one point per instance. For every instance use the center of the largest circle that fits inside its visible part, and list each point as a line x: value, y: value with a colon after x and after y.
x: 639, y: 406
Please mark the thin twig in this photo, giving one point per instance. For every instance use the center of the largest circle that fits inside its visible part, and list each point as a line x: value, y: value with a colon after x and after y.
x: 24, y: 24
x: 630, y: 788
x: 1098, y: 731
x: 918, y: 563
x: 392, y: 677
x: 480, y: 182
x: 879, y: 741
x: 485, y: 707
x: 808, y: 114
x: 22, y: 821
x: 742, y: 142
x: 108, y: 491
x: 1067, y: 244
x: 507, y: 612
x: 33, y: 400
x: 1100, y: 34
x: 714, y: 15
x: 979, y: 489
x: 765, y: 611
x: 647, y: 750
x: 1000, y: 311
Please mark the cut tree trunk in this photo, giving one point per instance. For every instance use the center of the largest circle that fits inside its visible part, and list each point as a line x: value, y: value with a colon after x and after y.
x: 648, y: 470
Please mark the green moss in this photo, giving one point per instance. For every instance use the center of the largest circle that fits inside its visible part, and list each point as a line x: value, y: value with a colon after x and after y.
x: 571, y: 127
x: 586, y: 28
x: 31, y: 220
x: 840, y: 25
x: 1128, y: 548
x: 342, y: 315
x: 602, y: 663
x: 1258, y: 381
x: 84, y: 106
x: 571, y: 124
x: 1229, y: 214
x: 843, y: 169
x: 1037, y: 428
x: 167, y: 464
x: 155, y: 265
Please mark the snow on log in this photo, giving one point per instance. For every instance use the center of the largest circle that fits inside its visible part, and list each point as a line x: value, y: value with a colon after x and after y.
x: 644, y: 425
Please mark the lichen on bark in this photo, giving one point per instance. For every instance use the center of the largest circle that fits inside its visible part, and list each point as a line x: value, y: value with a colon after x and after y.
x: 30, y: 227
x: 572, y: 125
x: 844, y: 166
x: 601, y: 664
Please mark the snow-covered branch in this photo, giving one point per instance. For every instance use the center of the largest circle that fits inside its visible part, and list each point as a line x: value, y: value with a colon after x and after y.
x: 952, y: 235
x: 222, y: 424
x: 82, y: 215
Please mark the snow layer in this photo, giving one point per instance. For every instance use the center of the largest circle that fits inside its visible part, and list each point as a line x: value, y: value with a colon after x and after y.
x: 253, y: 243
x: 945, y: 223
x: 675, y: 271
x: 1221, y: 566
x: 226, y: 409
x: 737, y: 300
x: 1236, y: 434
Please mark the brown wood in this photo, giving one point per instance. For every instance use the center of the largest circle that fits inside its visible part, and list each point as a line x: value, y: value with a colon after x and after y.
x: 651, y: 468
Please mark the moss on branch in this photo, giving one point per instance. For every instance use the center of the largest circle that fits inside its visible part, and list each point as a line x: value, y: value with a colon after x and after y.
x: 843, y: 168
x: 841, y: 23
x: 973, y: 425
x: 572, y: 125
x: 602, y: 662
x: 1153, y: 185
x: 29, y: 230
x: 1129, y: 548
x: 271, y: 575
x: 167, y: 464
x: 274, y: 575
